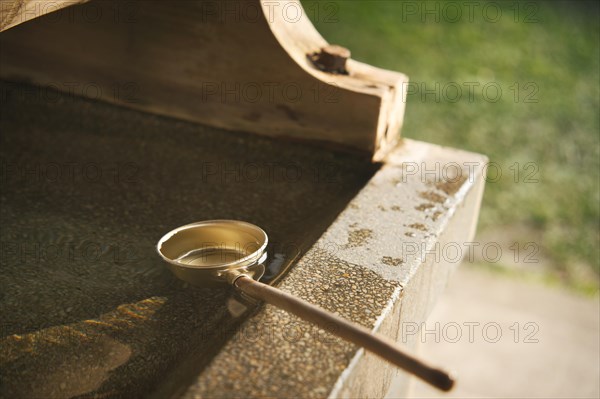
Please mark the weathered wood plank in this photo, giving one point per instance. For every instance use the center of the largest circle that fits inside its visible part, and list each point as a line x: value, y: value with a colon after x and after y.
x: 15, y: 12
x: 238, y: 65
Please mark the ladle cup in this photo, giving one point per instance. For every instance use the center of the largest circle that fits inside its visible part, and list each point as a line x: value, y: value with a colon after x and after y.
x: 228, y: 252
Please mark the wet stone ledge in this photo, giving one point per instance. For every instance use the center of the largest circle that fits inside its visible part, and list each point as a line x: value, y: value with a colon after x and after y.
x: 370, y: 266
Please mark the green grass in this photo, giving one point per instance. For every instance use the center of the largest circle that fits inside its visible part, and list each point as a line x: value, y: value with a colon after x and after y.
x: 557, y: 131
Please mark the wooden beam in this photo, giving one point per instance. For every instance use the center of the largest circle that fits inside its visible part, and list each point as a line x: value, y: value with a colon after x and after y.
x: 15, y: 12
x: 238, y: 65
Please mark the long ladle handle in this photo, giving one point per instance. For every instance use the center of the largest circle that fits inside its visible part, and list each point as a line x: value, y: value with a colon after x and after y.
x: 356, y: 334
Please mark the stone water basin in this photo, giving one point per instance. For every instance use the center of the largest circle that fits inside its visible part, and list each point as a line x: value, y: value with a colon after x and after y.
x: 88, y: 309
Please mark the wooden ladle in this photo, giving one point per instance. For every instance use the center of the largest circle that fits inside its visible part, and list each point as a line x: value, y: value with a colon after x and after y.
x: 228, y: 252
